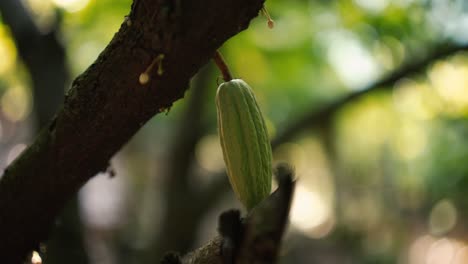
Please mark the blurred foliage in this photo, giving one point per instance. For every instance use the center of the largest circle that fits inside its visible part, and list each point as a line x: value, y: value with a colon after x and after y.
x: 371, y: 179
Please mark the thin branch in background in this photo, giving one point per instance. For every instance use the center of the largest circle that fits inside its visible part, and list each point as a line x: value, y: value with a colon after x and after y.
x: 35, y: 48
x: 314, y: 117
x: 180, y: 222
x: 48, y: 83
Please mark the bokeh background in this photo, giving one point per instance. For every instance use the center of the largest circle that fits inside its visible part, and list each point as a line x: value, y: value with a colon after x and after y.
x: 367, y: 99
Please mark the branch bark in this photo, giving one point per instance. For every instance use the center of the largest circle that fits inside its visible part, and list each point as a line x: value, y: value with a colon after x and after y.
x: 107, y: 105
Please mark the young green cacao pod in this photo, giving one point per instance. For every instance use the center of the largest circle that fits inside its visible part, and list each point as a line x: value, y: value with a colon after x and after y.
x: 245, y: 143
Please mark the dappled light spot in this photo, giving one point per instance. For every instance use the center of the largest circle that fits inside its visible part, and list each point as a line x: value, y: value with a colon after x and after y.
x: 71, y: 5
x: 427, y: 249
x: 411, y: 140
x: 366, y: 127
x: 43, y: 13
x: 384, y: 55
x: 14, y: 152
x: 409, y: 99
x: 352, y: 62
x: 451, y: 82
x: 209, y: 154
x: 312, y: 206
x: 449, y: 18
x: 310, y: 213
x: 441, y: 251
x: 102, y: 201
x: 7, y: 51
x: 85, y: 53
x: 418, y: 249
x: 15, y: 103
x: 311, y: 164
x: 443, y: 217
x: 323, y: 229
x: 374, y: 6
x: 461, y: 256
x: 307, y: 157
x: 36, y: 258
x: 397, y: 49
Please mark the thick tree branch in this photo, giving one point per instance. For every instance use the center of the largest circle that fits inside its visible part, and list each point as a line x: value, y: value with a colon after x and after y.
x: 107, y: 105
x: 314, y: 117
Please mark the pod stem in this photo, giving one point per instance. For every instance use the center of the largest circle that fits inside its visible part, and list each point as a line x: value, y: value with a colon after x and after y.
x: 222, y: 66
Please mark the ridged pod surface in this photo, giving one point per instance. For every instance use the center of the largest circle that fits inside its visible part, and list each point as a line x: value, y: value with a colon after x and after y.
x: 245, y: 143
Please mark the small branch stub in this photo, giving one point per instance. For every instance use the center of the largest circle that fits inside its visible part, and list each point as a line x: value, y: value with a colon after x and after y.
x: 128, y: 21
x: 145, y: 77
x: 270, y: 22
x: 222, y: 66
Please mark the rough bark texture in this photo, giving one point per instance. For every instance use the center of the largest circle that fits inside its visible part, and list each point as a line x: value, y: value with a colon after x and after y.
x: 106, y: 106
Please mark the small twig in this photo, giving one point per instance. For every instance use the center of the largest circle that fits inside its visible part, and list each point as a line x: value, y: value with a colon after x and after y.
x: 270, y: 22
x: 316, y: 117
x: 144, y: 77
x: 222, y: 66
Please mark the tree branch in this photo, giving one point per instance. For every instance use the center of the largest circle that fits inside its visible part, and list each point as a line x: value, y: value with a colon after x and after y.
x: 260, y: 234
x: 106, y: 106
x: 314, y: 117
